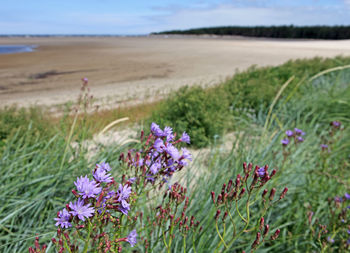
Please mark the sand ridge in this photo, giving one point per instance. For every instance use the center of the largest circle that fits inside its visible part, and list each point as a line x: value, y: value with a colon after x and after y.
x: 121, y: 69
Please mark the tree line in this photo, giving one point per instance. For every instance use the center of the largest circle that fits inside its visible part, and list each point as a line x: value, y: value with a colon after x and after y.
x: 289, y: 32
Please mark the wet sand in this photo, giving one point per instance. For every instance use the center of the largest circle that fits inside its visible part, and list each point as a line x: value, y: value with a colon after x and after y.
x: 137, y: 68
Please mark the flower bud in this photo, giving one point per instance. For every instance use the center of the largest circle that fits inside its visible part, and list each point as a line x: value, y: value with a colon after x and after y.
x: 223, y: 189
x: 142, y: 135
x: 224, y: 217
x: 264, y: 193
x: 75, y: 193
x: 257, y: 240
x: 219, y: 199
x: 275, y: 235
x: 250, y: 166
x: 272, y: 194
x: 241, y: 193
x: 266, y: 230
x: 283, y: 194
x: 213, y: 197
x: 262, y: 221
x: 238, y: 181
x: 256, y: 168
x: 217, y: 214
x: 273, y: 173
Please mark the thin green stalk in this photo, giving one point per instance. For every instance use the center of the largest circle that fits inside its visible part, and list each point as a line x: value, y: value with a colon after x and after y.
x: 219, y: 234
x: 86, y: 247
x: 184, y: 244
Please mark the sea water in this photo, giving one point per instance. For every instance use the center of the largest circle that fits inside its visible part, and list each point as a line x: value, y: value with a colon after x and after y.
x: 11, y: 49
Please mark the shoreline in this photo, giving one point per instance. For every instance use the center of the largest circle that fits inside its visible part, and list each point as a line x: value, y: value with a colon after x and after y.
x: 122, y: 69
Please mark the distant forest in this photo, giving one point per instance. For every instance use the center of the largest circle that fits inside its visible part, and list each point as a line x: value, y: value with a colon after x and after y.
x: 288, y: 32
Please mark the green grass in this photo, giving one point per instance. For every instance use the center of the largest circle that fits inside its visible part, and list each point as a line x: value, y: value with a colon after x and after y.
x: 207, y: 113
x: 38, y: 170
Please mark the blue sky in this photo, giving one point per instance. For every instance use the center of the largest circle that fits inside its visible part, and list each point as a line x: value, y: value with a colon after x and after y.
x: 142, y: 17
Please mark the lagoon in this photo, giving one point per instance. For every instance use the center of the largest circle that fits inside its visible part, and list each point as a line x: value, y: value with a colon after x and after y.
x: 11, y: 49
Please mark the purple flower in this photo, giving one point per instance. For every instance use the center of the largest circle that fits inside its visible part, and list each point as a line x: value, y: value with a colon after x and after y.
x: 300, y: 139
x: 78, y: 209
x: 324, y: 146
x: 186, y: 155
x: 285, y: 142
x: 170, y: 137
x: 132, y: 238
x: 299, y: 131
x: 124, y: 192
x: 173, y: 152
x: 159, y: 145
x: 261, y: 171
x: 103, y: 166
x: 330, y: 239
x: 168, y: 131
x: 87, y: 188
x: 110, y: 194
x: 139, y: 164
x: 348, y: 241
x: 156, y: 130
x: 155, y: 167
x: 348, y: 231
x: 63, y: 219
x: 132, y: 179
x: 150, y: 179
x: 101, y: 175
x: 124, y: 210
x: 185, y: 138
x: 338, y: 199
x: 347, y: 196
x: 336, y: 123
x: 289, y: 133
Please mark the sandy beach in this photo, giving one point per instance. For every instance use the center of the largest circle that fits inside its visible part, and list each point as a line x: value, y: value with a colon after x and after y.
x: 124, y: 69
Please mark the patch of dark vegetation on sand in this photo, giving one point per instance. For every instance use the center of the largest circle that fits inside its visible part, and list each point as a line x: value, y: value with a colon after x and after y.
x: 46, y: 74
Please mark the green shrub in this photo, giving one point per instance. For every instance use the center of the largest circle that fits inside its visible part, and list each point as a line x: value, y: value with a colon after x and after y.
x: 257, y: 87
x: 201, y: 113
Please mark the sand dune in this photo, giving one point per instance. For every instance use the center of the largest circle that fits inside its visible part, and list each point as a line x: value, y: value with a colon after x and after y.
x: 137, y: 68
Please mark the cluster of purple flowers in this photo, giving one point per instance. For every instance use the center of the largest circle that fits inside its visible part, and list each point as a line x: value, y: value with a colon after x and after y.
x: 160, y: 157
x: 296, y: 135
x: 95, y: 197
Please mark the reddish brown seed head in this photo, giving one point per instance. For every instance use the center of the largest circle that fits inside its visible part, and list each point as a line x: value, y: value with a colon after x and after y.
x: 213, y: 196
x: 272, y: 193
x: 262, y: 222
x: 264, y: 193
x: 275, y: 235
x: 283, y: 194
x: 217, y: 214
